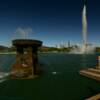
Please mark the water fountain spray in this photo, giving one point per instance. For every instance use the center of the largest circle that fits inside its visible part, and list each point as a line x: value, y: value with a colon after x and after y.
x: 84, y: 28
x: 86, y: 48
x: 84, y: 25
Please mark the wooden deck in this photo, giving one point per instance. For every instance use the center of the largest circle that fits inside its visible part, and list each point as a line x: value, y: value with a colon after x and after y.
x: 96, y: 97
x: 91, y: 73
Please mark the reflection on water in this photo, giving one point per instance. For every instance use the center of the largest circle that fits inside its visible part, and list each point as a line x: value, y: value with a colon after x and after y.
x: 6, y: 61
x: 88, y: 61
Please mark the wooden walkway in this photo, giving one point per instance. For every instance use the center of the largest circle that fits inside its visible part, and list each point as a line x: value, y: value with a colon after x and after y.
x: 91, y: 73
x: 96, y: 97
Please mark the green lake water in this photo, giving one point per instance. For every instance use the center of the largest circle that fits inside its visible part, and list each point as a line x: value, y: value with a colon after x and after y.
x: 66, y: 84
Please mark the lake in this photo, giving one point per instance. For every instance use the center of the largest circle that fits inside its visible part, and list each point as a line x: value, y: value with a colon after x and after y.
x: 65, y: 84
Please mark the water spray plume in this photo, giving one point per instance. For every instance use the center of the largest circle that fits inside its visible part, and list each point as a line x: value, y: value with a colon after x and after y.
x: 84, y: 25
x: 86, y: 48
x: 22, y: 33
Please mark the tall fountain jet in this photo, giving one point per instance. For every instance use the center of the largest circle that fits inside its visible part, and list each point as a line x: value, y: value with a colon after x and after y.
x: 84, y: 25
x: 86, y: 48
x: 84, y: 28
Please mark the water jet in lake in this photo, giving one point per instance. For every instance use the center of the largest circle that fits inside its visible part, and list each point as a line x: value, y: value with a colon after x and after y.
x: 86, y: 48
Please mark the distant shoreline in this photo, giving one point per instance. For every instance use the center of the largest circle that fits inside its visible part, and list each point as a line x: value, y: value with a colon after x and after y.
x: 8, y: 53
x: 38, y: 52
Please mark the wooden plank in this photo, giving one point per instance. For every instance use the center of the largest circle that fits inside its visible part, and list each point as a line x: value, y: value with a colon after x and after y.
x: 91, y: 74
x: 95, y: 97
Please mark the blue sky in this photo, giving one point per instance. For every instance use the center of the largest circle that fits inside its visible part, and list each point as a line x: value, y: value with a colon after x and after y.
x: 52, y: 21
